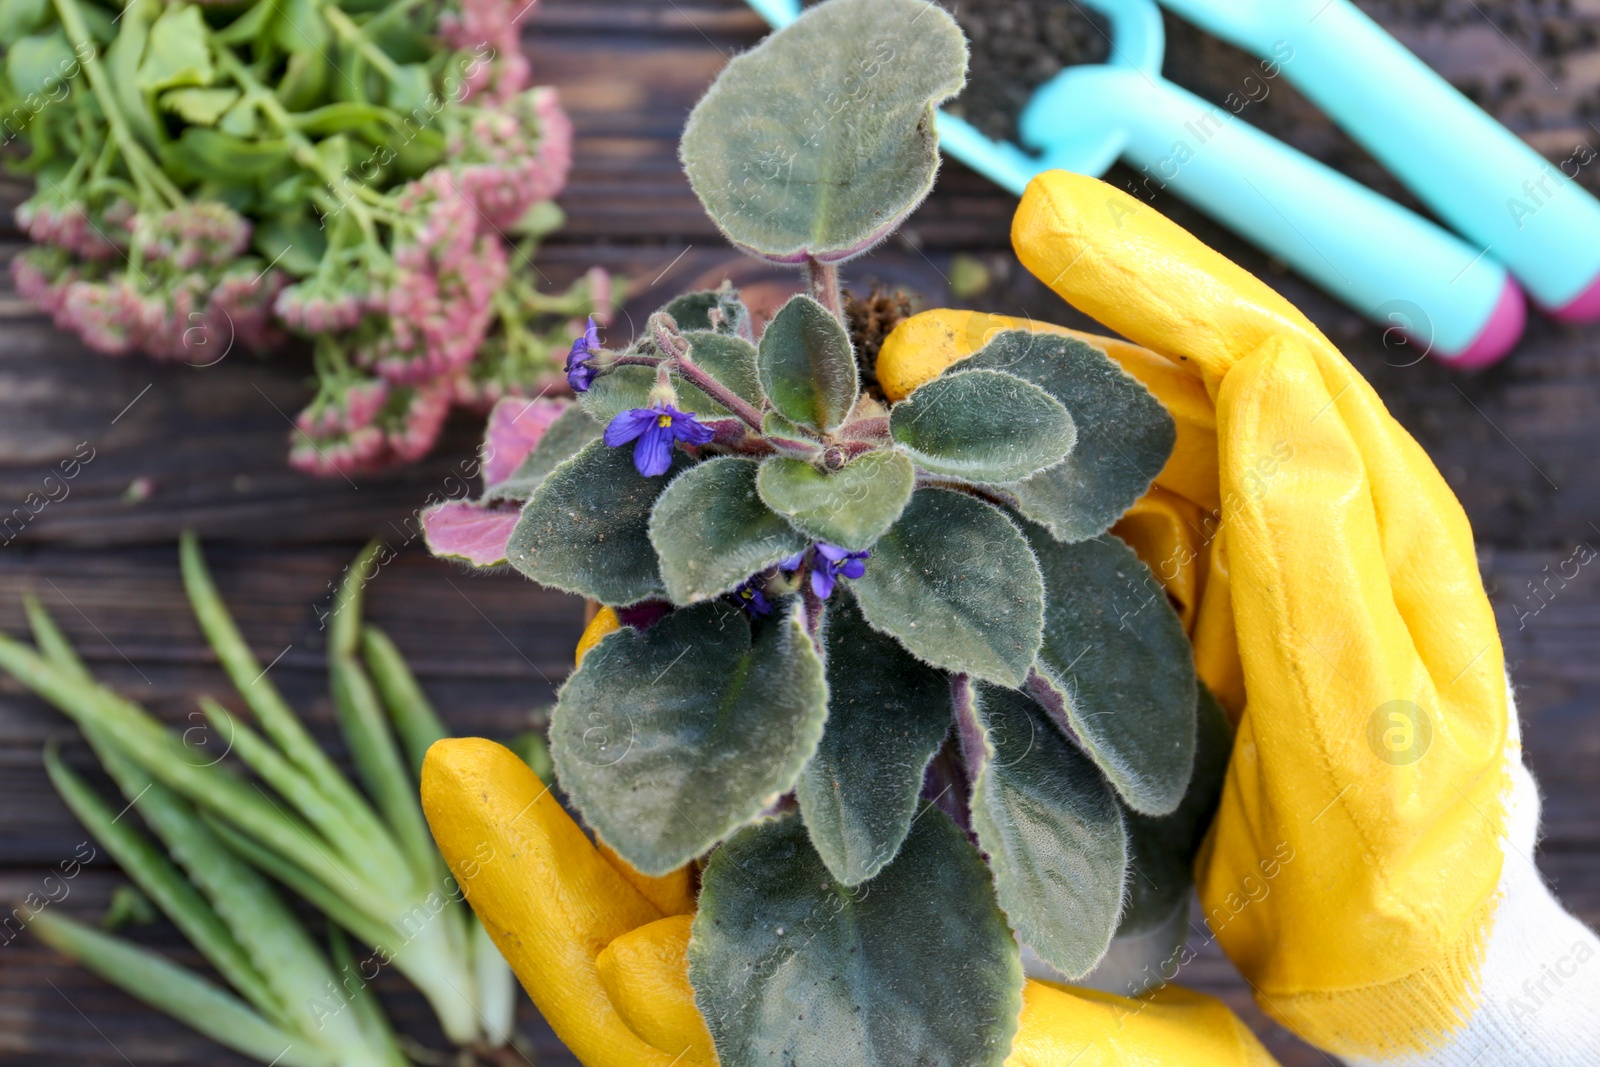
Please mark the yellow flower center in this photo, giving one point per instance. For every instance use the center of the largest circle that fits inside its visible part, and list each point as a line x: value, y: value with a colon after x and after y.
x: 664, y: 421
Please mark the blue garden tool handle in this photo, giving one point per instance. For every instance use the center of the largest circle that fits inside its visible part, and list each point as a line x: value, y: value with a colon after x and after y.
x: 1383, y: 260
x: 1475, y: 174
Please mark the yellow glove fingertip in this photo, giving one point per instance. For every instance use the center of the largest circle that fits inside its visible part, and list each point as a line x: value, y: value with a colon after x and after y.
x: 646, y: 973
x: 605, y: 621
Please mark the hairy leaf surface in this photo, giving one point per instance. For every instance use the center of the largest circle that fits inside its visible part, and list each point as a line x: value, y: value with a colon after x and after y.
x: 669, y: 739
x: 1050, y: 826
x: 887, y: 715
x: 983, y: 426
x: 565, y: 438
x: 586, y: 529
x: 806, y: 365
x: 850, y: 507
x: 916, y: 968
x: 711, y: 531
x: 1116, y: 669
x: 955, y: 583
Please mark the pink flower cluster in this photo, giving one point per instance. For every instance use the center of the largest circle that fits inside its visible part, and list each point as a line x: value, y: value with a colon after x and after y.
x: 367, y: 425
x: 489, y: 30
x: 187, y: 297
x: 49, y: 220
x: 509, y: 158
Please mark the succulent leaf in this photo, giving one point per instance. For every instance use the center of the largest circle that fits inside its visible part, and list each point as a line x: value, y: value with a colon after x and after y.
x: 1115, y: 669
x: 807, y: 367
x: 819, y: 140
x: 566, y: 436
x: 790, y: 966
x: 467, y: 531
x: 669, y: 739
x: 711, y: 531
x: 1161, y: 850
x: 586, y: 529
x: 850, y: 507
x: 983, y: 426
x: 1124, y: 434
x: 956, y: 584
x: 888, y: 714
x: 1050, y: 826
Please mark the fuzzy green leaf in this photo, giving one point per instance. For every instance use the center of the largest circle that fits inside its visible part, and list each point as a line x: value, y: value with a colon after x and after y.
x: 586, y: 529
x: 1124, y: 434
x: 955, y: 583
x: 914, y: 969
x: 1161, y: 850
x: 887, y: 716
x: 984, y: 426
x: 1050, y: 826
x: 571, y: 430
x: 711, y: 531
x: 1116, y: 670
x: 626, y: 388
x: 818, y: 141
x: 692, y: 311
x: 806, y: 365
x: 730, y: 360
x: 40, y: 63
x: 851, y: 507
x: 669, y: 739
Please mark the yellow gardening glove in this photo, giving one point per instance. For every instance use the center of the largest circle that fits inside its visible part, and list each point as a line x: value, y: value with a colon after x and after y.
x: 1370, y: 869
x: 602, y: 949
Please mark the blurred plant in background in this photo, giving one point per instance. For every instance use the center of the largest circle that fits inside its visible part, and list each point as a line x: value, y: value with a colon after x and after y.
x: 364, y: 175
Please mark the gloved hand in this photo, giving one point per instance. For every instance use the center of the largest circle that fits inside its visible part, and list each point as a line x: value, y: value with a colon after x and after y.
x: 1370, y: 870
x: 1370, y: 867
x: 601, y: 949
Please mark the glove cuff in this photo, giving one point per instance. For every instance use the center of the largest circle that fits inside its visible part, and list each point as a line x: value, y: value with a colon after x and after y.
x: 1537, y: 995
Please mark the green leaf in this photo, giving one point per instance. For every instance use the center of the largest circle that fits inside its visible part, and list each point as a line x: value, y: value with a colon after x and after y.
x: 730, y: 360
x: 296, y: 245
x: 670, y: 739
x: 806, y: 364
x: 954, y: 582
x: 851, y: 507
x: 1124, y: 434
x: 410, y: 87
x: 18, y: 18
x: 566, y: 437
x: 1162, y: 850
x: 178, y: 52
x: 626, y: 388
x: 1116, y: 670
x: 305, y: 80
x: 818, y: 141
x: 207, y: 154
x: 913, y: 969
x: 344, y: 116
x: 711, y: 531
x: 586, y: 529
x: 1050, y: 826
x: 40, y: 63
x: 692, y: 311
x: 203, y: 107
x: 169, y: 988
x: 300, y: 27
x: 982, y: 425
x: 887, y: 715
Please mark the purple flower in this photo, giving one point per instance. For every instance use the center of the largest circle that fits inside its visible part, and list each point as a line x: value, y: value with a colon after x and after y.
x: 752, y: 598
x: 579, y: 374
x: 656, y: 428
x: 828, y: 564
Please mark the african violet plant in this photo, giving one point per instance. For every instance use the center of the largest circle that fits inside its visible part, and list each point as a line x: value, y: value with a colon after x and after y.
x: 880, y: 668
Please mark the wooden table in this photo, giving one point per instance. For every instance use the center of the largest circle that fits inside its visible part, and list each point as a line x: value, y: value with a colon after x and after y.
x: 1517, y: 444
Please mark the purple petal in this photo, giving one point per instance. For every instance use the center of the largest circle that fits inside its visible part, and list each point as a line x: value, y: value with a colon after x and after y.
x: 591, y: 335
x: 688, y: 429
x: 822, y: 583
x: 792, y: 563
x: 853, y: 568
x: 629, y: 425
x: 831, y: 553
x: 653, y: 454
x: 516, y: 425
x: 467, y: 531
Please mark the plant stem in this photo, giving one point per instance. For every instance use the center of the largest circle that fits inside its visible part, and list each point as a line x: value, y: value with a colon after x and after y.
x: 346, y: 28
x: 822, y: 282
x: 140, y: 165
x: 673, y: 343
